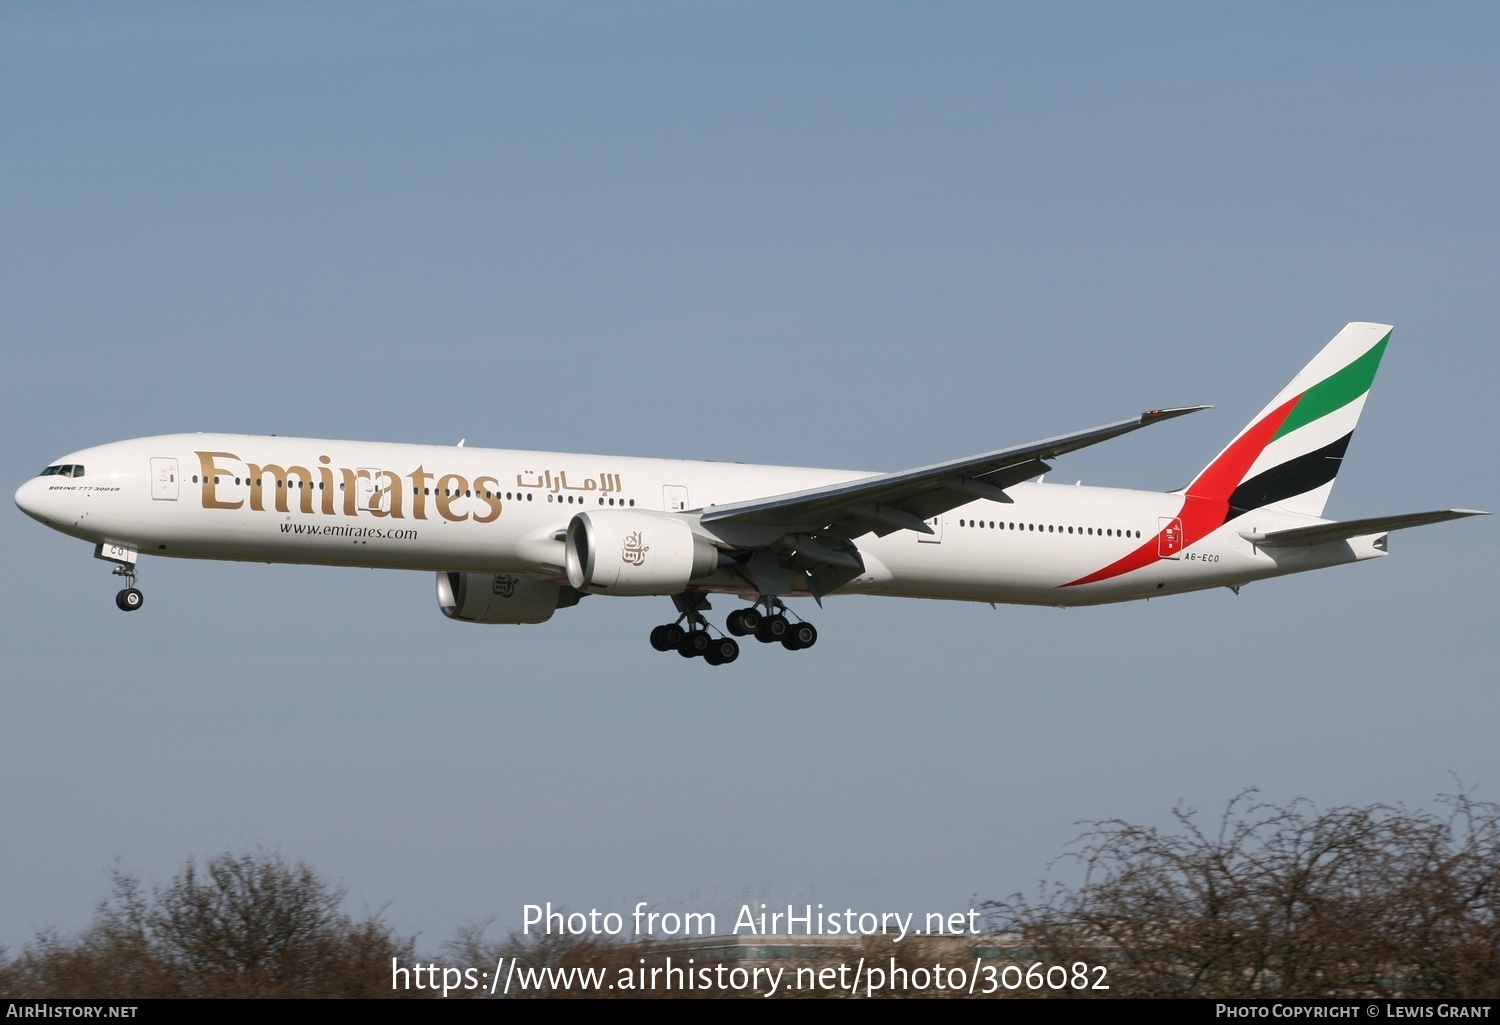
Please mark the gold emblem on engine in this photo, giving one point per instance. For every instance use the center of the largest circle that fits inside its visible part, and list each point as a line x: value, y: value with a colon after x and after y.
x: 634, y: 552
x: 504, y: 585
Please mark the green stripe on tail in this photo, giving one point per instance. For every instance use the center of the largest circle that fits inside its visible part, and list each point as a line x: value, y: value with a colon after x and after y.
x: 1337, y: 391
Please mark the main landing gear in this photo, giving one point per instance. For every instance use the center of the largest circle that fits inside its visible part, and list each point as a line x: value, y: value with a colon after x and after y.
x: 771, y: 626
x: 695, y: 642
x: 690, y: 634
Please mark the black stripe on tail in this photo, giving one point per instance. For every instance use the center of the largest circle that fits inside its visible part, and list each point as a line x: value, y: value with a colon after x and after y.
x: 1289, y: 479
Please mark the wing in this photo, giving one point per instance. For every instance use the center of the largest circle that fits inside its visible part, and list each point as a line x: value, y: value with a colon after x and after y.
x: 1343, y: 530
x: 818, y: 526
x: 889, y: 502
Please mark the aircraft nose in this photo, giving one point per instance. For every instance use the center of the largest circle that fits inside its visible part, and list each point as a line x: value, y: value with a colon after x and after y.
x: 29, y: 499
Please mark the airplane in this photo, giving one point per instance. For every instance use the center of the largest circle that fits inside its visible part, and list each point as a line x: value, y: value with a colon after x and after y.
x: 515, y: 536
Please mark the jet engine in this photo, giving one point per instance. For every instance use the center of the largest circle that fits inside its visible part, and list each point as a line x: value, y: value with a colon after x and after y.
x: 500, y: 598
x: 633, y: 551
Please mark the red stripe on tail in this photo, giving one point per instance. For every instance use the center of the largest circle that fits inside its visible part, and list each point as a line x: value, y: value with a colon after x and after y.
x: 1206, y: 505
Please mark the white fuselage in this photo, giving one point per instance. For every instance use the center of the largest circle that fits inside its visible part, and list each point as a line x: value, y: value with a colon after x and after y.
x: 420, y: 507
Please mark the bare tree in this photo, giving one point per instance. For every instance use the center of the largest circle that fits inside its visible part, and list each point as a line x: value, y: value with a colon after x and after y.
x: 1280, y: 900
x: 242, y: 925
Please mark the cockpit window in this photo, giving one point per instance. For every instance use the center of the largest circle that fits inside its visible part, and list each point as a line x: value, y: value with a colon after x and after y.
x: 63, y: 470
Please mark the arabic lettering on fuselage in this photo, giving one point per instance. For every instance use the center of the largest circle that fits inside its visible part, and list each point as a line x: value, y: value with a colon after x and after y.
x: 605, y: 484
x: 344, y: 491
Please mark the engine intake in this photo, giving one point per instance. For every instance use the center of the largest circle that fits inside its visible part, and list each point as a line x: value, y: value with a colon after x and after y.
x: 634, y: 551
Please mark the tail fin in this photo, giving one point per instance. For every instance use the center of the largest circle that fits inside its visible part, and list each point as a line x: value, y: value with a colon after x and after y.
x: 1290, y: 453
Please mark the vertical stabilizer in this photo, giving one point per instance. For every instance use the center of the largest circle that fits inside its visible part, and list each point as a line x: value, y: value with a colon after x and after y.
x: 1289, y: 455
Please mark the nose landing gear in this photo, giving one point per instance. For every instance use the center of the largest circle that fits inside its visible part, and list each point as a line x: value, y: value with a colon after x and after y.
x: 130, y: 598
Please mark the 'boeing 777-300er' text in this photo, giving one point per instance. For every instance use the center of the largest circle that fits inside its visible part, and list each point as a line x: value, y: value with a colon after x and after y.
x: 515, y: 536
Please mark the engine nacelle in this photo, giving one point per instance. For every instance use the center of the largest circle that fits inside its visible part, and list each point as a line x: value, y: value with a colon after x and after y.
x: 500, y: 598
x: 633, y: 551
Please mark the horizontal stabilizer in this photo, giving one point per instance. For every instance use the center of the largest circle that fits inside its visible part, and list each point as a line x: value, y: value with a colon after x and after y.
x: 1343, y: 530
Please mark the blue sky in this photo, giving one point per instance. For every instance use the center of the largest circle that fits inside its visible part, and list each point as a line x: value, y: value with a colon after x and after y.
x: 862, y: 235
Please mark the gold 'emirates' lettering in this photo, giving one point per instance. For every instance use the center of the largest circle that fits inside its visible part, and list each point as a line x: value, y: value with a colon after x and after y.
x: 387, y: 500
x: 286, y: 478
x: 449, y: 487
x: 210, y: 478
x: 385, y: 490
x: 325, y: 485
x: 420, y: 480
x: 485, y: 490
x: 351, y: 491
